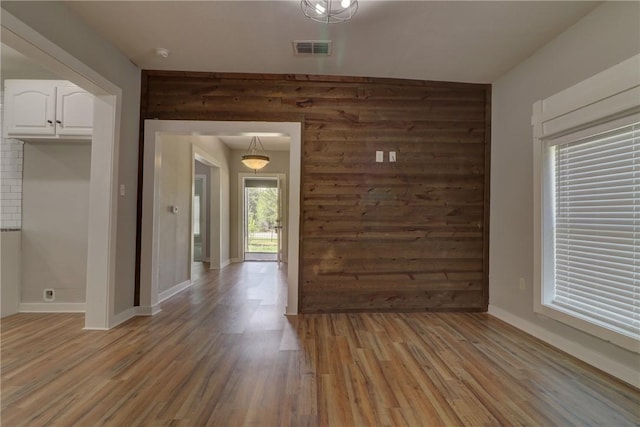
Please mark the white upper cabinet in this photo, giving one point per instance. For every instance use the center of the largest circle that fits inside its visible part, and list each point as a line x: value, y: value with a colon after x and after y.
x: 74, y: 111
x: 30, y: 108
x: 47, y: 109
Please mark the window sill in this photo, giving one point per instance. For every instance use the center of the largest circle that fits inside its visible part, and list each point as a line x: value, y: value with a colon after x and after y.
x: 574, y: 320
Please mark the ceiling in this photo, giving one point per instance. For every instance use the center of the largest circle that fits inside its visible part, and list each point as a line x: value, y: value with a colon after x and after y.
x: 464, y: 41
x: 270, y: 143
x: 14, y: 65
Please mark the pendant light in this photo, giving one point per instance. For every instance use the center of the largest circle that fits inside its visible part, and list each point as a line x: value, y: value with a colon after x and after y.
x: 254, y: 159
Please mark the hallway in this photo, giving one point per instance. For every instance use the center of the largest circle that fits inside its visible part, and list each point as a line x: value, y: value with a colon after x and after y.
x: 222, y: 353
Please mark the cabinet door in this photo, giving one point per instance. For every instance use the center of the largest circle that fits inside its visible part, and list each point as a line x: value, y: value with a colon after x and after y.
x: 30, y: 109
x: 74, y: 112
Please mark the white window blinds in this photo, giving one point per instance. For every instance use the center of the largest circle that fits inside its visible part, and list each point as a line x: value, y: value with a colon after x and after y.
x: 597, y: 229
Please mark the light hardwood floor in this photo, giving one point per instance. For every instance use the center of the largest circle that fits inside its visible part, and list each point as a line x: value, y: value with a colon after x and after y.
x: 223, y: 354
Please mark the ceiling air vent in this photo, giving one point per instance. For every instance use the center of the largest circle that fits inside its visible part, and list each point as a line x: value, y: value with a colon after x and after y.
x: 312, y: 47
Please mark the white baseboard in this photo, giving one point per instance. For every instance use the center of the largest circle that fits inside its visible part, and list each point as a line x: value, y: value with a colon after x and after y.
x: 122, y: 317
x: 147, y: 310
x: 52, y: 307
x: 165, y: 295
x: 600, y: 361
x: 133, y: 312
x: 225, y: 263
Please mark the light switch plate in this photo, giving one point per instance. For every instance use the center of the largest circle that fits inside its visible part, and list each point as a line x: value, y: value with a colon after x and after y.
x: 392, y: 156
x: 379, y: 156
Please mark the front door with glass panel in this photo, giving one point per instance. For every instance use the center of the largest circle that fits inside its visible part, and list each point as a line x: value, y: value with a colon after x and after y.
x: 262, y: 224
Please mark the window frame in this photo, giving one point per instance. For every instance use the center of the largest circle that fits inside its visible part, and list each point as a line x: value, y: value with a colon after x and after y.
x: 606, y: 101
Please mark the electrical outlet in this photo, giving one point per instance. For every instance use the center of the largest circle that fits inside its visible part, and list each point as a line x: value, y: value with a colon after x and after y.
x: 379, y: 156
x: 49, y: 295
x: 522, y: 284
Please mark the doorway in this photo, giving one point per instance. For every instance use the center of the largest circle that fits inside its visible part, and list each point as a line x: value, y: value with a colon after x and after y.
x: 149, y: 262
x: 200, y: 214
x: 262, y: 223
x: 103, y: 183
x: 206, y: 213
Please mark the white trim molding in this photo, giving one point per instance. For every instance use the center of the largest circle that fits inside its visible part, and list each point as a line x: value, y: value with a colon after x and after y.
x: 149, y: 263
x: 103, y: 205
x: 165, y: 295
x: 52, y: 307
x: 612, y: 93
x: 122, y: 317
x: 283, y: 209
x: 213, y: 192
x: 148, y: 310
x: 593, y: 358
x: 606, y: 101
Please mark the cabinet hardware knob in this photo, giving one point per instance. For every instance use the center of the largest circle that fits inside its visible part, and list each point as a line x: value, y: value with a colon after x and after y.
x: 58, y: 122
x: 50, y: 122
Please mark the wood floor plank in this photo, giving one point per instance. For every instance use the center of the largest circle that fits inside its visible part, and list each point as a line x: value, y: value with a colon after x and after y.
x: 223, y: 354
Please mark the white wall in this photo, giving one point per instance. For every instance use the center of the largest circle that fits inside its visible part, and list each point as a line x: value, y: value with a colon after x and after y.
x: 220, y: 155
x: 55, y: 220
x: 54, y: 21
x: 175, y: 188
x: 278, y: 163
x: 10, y: 270
x: 175, y: 228
x: 608, y: 35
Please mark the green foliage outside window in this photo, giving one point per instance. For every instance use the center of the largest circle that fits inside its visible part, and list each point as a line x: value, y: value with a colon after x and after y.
x: 262, y: 212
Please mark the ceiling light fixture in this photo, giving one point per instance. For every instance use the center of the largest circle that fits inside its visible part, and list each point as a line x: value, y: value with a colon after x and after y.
x: 254, y: 159
x: 329, y: 11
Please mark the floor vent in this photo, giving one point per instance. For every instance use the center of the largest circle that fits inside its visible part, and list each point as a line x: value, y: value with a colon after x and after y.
x: 312, y: 47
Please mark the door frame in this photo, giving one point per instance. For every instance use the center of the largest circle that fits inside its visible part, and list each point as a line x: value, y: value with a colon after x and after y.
x: 203, y: 212
x: 283, y: 213
x: 152, y: 163
x: 214, y: 240
x: 103, y: 186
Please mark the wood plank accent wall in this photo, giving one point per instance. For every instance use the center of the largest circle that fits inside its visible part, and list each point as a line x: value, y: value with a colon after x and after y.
x: 404, y: 236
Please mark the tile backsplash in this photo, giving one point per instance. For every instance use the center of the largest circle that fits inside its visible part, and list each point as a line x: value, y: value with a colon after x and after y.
x: 11, y: 159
